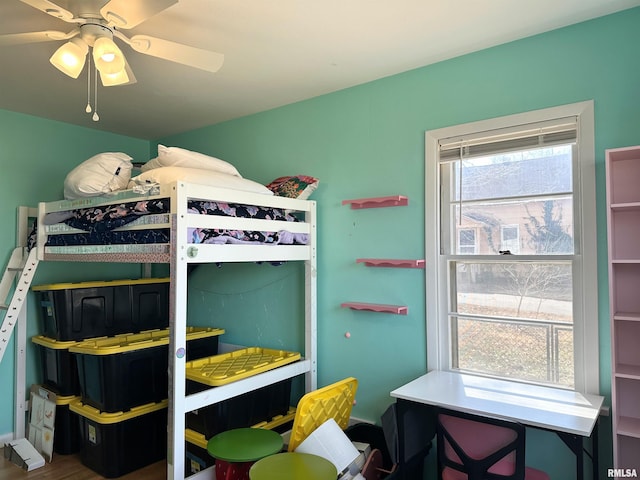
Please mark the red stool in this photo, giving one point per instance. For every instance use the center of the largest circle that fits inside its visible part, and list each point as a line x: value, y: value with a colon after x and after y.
x: 236, y: 450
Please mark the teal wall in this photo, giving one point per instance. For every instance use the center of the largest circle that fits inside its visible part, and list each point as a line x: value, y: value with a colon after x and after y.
x: 369, y: 141
x: 362, y: 142
x: 35, y: 157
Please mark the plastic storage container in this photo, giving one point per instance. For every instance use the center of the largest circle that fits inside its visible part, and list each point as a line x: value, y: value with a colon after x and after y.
x: 251, y: 408
x: 222, y: 369
x: 315, y: 407
x: 197, y: 456
x: 114, y: 444
x: 59, y: 369
x: 77, y: 311
x: 242, y: 411
x: 120, y: 372
x: 66, y: 439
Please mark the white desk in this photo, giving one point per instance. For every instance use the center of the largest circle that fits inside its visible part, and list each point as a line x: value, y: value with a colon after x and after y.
x: 571, y: 415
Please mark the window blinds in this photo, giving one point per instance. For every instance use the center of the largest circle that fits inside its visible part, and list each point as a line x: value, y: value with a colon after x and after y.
x: 523, y: 137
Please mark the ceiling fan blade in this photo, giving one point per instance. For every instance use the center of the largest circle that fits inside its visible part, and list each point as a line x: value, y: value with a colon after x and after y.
x: 176, y: 52
x: 129, y: 13
x: 51, y: 8
x: 36, y: 37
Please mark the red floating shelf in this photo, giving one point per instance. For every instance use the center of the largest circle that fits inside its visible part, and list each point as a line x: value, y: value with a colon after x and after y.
x: 377, y: 202
x: 383, y: 262
x: 375, y: 307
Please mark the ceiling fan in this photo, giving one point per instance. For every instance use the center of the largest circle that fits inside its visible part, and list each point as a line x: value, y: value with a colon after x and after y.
x: 98, y: 22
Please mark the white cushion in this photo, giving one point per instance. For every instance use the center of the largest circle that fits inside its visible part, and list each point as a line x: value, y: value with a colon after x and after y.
x: 163, y: 175
x: 179, y: 157
x: 100, y: 174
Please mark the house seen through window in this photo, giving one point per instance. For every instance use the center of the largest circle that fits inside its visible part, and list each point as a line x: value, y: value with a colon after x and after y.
x: 508, y: 251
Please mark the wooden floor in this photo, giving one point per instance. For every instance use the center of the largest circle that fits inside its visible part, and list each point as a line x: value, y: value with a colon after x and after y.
x: 69, y: 467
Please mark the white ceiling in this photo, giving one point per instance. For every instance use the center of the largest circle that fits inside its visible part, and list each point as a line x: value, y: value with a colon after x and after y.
x: 276, y: 52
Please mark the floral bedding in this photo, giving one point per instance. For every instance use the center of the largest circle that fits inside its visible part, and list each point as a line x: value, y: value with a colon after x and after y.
x: 203, y: 235
x: 99, y: 224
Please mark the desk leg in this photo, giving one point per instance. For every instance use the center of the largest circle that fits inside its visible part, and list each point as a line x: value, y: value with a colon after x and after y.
x: 576, y: 444
x: 594, y: 450
x: 401, y: 408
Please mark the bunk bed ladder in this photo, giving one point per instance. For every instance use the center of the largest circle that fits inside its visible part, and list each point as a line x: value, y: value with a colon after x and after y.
x: 14, y: 285
x: 23, y: 267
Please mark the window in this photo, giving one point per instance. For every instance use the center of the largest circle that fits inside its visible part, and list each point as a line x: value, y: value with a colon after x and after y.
x: 510, y: 239
x: 467, y: 240
x: 510, y: 223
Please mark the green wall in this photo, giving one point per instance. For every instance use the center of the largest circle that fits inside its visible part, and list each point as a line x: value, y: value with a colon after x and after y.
x: 35, y: 157
x: 369, y: 141
x: 362, y: 142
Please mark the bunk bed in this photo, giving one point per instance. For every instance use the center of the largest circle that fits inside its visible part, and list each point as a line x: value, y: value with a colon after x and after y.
x: 176, y: 224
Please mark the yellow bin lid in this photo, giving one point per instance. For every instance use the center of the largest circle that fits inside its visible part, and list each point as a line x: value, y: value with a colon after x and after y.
x: 278, y: 420
x: 137, y: 341
x: 52, y: 343
x: 195, y: 438
x: 229, y: 367
x: 316, y: 407
x: 105, y: 418
x: 62, y: 401
x: 98, y: 283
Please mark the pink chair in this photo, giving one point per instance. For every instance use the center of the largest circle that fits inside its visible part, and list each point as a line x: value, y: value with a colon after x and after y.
x: 471, y: 447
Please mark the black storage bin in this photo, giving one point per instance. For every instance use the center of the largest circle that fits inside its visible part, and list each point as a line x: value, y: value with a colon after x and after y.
x: 117, y: 373
x: 149, y: 305
x: 242, y: 411
x: 59, y: 369
x: 276, y: 399
x: 66, y: 439
x: 118, y: 382
x: 116, y: 444
x: 77, y: 311
x: 232, y: 413
x: 197, y: 456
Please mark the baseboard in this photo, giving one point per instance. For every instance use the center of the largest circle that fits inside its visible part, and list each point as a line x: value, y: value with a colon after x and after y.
x: 354, y: 420
x: 6, y: 437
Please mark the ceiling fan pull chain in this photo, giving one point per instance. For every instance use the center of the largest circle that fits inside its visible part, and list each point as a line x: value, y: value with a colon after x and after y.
x: 95, y: 117
x: 88, y: 109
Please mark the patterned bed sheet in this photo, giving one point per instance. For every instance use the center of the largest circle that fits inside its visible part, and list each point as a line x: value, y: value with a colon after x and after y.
x: 103, y: 225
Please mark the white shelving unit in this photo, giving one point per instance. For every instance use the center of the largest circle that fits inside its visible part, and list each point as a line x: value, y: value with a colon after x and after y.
x: 623, y: 222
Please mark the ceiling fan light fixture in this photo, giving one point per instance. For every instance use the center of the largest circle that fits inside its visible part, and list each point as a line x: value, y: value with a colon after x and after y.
x: 113, y: 79
x: 70, y: 57
x: 108, y: 58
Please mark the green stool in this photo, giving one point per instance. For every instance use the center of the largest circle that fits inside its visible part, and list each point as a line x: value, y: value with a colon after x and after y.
x: 236, y: 450
x: 293, y: 466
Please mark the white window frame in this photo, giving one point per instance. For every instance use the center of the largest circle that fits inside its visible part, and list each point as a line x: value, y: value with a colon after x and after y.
x: 586, y: 351
x: 475, y: 239
x: 513, y: 250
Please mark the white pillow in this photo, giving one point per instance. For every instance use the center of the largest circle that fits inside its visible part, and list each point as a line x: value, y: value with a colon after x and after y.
x: 179, y: 157
x: 100, y: 174
x: 199, y: 176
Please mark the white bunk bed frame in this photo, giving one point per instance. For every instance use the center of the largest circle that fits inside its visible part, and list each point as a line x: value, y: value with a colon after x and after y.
x: 179, y: 254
